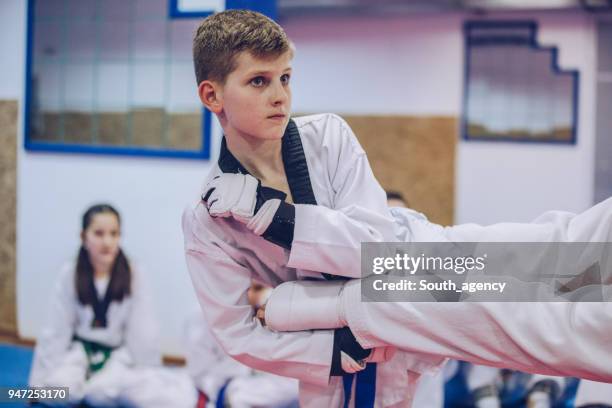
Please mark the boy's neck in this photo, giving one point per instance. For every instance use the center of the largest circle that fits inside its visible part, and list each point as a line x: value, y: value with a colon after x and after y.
x: 262, y: 158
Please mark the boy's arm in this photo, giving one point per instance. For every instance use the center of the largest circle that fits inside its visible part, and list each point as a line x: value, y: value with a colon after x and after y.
x: 358, y: 212
x: 221, y: 286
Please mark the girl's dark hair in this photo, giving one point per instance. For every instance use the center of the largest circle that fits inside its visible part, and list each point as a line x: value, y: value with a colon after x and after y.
x: 121, y: 275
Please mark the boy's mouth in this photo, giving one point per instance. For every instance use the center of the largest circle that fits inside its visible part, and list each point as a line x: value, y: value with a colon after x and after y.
x: 278, y: 116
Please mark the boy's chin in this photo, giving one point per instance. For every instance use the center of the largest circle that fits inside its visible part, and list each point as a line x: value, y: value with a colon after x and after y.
x: 272, y: 134
x: 263, y: 133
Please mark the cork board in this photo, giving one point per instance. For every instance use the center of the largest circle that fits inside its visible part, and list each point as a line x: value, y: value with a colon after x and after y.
x: 145, y: 127
x: 414, y: 155
x: 8, y: 213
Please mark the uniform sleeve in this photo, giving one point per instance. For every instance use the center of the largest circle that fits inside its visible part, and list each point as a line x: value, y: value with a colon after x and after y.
x: 55, y: 337
x: 221, y: 285
x: 359, y: 213
x: 556, y: 338
x: 142, y: 329
x: 563, y: 339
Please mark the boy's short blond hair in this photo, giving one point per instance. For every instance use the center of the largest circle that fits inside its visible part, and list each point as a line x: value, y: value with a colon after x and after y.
x: 222, y: 36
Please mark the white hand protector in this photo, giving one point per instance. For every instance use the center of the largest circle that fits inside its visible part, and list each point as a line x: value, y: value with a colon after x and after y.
x: 235, y: 195
x: 232, y: 195
x: 305, y: 305
x: 311, y: 305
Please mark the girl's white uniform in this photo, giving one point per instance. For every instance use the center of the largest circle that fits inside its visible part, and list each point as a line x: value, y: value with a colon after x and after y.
x: 325, y: 166
x: 132, y: 375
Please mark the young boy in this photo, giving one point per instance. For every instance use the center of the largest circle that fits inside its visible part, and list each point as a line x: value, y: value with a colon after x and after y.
x: 282, y: 191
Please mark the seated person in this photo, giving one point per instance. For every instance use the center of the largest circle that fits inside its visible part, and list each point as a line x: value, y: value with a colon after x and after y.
x: 100, y: 338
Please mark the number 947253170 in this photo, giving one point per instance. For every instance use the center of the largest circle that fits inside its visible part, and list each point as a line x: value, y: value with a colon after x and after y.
x: 42, y: 394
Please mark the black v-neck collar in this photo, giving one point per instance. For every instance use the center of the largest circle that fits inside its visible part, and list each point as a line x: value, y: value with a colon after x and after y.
x: 100, y: 306
x: 294, y: 160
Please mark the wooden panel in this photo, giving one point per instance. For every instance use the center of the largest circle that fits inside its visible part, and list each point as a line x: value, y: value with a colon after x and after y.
x: 148, y: 127
x: 8, y: 212
x: 185, y: 131
x: 414, y: 155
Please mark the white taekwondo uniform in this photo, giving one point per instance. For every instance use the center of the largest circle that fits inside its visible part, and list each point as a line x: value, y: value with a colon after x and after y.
x: 213, y: 371
x: 554, y: 338
x: 132, y: 375
x: 338, y: 204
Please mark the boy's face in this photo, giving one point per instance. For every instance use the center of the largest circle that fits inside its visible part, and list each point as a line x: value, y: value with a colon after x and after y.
x: 255, y: 101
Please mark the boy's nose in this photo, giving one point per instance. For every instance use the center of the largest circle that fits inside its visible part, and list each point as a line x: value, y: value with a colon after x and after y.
x: 280, y: 95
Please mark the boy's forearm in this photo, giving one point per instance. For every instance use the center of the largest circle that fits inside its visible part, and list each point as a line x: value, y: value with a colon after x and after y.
x: 329, y: 241
x: 305, y: 355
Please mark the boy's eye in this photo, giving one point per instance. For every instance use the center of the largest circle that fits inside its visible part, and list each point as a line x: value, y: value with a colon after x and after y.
x: 285, y: 79
x: 258, y: 81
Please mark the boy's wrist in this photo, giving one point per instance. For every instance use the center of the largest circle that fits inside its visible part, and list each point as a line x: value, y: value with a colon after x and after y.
x: 282, y: 226
x: 264, y: 216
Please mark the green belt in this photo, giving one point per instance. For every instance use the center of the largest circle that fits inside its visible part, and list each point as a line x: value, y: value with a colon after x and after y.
x: 97, y: 354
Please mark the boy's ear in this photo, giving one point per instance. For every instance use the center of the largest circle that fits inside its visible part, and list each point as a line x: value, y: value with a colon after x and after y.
x: 210, y: 95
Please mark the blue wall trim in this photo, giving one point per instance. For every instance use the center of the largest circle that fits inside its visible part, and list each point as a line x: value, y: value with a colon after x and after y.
x: 480, y: 40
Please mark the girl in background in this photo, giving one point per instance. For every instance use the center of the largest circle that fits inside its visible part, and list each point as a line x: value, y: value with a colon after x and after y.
x: 101, y: 339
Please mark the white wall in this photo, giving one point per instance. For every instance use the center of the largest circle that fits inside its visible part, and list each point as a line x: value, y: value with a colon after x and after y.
x: 414, y: 66
x: 378, y: 66
x: 403, y: 65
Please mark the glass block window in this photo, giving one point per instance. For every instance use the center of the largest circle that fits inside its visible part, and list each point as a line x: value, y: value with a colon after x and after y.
x: 112, y: 76
x: 202, y: 8
x: 514, y: 89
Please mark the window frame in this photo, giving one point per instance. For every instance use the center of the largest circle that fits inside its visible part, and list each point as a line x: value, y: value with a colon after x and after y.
x: 67, y: 147
x: 267, y: 7
x: 531, y: 42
